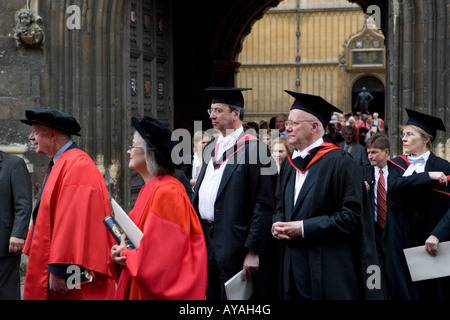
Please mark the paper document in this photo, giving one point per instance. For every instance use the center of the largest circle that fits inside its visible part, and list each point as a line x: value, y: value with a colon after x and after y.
x: 131, y: 230
x: 236, y: 289
x: 422, y: 266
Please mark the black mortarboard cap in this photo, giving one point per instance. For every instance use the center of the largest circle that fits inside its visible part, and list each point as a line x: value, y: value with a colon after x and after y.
x: 424, y: 121
x: 228, y: 95
x: 158, y: 137
x: 54, y: 119
x: 315, y: 105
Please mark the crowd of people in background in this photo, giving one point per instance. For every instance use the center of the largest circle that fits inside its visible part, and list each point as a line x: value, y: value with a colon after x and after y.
x: 361, y: 126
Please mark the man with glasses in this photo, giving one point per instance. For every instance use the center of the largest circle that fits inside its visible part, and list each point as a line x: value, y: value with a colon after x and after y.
x: 234, y: 196
x: 328, y: 238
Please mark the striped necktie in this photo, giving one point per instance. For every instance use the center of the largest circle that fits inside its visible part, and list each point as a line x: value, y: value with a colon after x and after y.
x: 381, y: 200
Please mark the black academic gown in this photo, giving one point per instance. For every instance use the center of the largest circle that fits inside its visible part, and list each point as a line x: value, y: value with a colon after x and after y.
x: 243, y: 208
x: 331, y: 261
x: 418, y: 211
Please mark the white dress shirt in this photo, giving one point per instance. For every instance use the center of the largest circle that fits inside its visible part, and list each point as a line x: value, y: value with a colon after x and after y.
x: 301, y: 177
x: 211, y: 181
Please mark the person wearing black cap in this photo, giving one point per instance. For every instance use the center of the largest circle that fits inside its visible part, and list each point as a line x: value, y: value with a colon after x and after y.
x: 327, y: 234
x: 67, y: 229
x: 171, y: 261
x: 419, y: 201
x: 234, y: 196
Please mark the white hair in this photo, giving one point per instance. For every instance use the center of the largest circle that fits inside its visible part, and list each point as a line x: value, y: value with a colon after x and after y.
x: 153, y: 166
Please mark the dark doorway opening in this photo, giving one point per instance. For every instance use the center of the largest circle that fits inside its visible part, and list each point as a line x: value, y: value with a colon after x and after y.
x: 376, y: 88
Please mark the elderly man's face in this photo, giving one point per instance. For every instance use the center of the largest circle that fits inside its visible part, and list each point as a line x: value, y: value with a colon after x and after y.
x: 41, y: 136
x: 299, y: 129
x: 280, y: 123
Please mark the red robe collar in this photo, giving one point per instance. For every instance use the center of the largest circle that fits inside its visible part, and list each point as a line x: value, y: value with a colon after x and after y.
x: 325, y: 148
x: 241, y: 143
x: 405, y: 159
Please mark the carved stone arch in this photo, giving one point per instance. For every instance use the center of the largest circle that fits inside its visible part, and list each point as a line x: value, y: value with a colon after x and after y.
x: 235, y: 25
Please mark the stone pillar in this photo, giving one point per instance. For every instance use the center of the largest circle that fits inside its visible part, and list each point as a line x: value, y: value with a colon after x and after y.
x: 419, y: 66
x: 85, y: 74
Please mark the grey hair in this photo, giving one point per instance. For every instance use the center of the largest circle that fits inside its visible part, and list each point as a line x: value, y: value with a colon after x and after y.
x: 240, y: 109
x: 311, y: 117
x: 153, y: 166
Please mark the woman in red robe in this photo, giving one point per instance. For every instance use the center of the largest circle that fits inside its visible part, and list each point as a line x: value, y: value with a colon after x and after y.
x: 171, y: 261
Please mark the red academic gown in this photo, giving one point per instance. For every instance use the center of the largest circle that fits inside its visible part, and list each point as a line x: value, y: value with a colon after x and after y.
x: 171, y: 261
x: 69, y: 230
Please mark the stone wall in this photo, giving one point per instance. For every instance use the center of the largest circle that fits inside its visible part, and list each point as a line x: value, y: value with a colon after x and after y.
x: 20, y: 82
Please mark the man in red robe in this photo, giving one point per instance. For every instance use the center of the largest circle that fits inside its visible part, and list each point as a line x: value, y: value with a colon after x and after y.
x: 67, y: 235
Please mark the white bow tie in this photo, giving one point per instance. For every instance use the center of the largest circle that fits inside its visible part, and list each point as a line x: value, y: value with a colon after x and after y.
x: 416, y: 160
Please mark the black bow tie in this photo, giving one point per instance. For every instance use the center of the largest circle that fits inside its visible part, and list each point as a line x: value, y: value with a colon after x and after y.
x: 302, y: 163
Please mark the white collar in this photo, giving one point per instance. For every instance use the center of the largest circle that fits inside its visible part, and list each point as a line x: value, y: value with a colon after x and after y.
x: 385, y: 170
x: 305, y: 151
x: 419, y: 159
x: 231, y: 137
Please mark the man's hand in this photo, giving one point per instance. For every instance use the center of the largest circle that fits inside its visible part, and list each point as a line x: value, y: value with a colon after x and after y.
x: 15, y: 244
x: 431, y: 245
x: 251, y: 264
x: 287, y: 230
x: 57, y: 284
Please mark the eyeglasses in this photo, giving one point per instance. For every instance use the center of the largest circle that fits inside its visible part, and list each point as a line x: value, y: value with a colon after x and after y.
x: 407, y: 135
x: 217, y: 112
x: 132, y: 147
x: 293, y: 124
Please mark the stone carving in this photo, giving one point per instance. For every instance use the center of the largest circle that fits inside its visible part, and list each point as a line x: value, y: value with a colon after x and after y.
x: 28, y: 32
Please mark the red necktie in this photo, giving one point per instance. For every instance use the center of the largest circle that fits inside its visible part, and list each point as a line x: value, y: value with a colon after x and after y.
x: 381, y: 200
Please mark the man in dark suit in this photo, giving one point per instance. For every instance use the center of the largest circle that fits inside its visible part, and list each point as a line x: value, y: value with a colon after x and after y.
x: 356, y: 150
x: 234, y: 196
x: 328, y: 240
x: 376, y: 182
x: 15, y: 213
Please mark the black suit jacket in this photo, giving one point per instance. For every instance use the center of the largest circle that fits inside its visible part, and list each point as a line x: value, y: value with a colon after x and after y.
x: 244, y: 204
x: 369, y: 177
x: 15, y: 200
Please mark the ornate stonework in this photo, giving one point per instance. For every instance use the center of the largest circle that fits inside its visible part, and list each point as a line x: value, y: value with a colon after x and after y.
x: 28, y: 31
